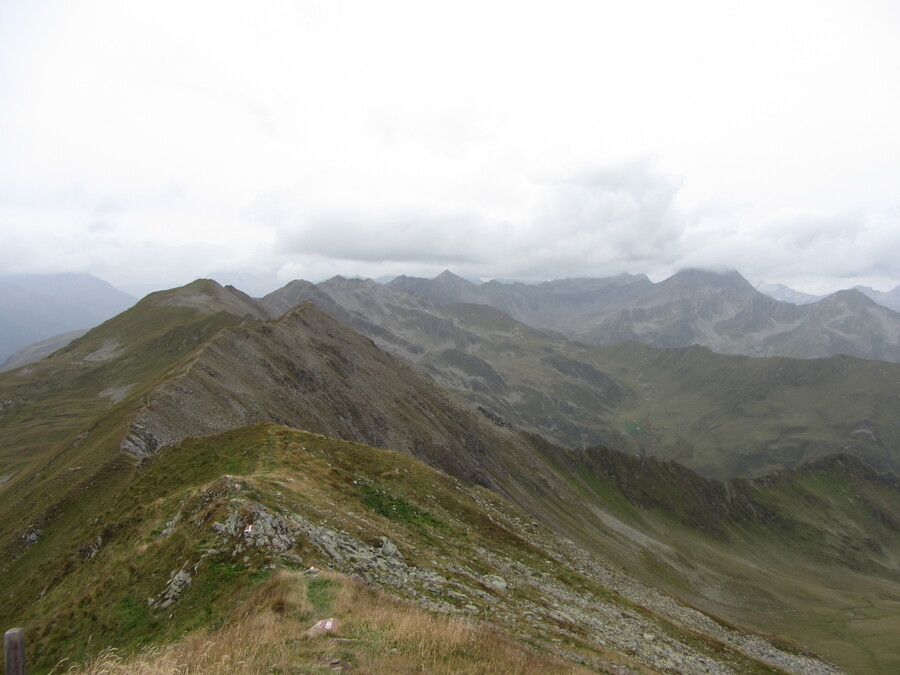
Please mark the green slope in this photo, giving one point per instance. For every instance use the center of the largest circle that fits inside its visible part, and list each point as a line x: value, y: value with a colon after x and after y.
x: 810, y: 553
x: 406, y: 529
x: 728, y: 415
x: 62, y: 420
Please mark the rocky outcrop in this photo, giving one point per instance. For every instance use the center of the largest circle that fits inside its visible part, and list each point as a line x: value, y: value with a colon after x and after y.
x: 179, y: 581
x: 256, y: 527
x: 139, y: 441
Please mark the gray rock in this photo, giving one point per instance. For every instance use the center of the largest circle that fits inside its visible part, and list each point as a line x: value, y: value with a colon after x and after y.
x: 179, y: 581
x: 495, y: 583
x: 389, y: 549
x: 32, y: 535
x: 266, y: 530
x: 170, y: 526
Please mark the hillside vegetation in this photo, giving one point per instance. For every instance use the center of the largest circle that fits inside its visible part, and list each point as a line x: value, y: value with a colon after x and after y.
x: 134, y: 460
x: 171, y: 558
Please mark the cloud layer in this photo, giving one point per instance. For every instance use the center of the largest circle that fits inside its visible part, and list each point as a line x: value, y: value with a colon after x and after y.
x: 152, y: 144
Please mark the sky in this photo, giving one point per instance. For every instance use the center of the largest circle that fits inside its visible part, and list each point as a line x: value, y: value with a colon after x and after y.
x: 152, y: 143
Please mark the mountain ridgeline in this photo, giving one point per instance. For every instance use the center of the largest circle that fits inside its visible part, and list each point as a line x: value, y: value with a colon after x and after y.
x: 720, y: 415
x: 379, y: 435
x: 718, y: 310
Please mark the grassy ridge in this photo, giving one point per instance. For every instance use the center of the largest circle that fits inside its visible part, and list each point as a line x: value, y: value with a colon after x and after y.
x: 163, y: 522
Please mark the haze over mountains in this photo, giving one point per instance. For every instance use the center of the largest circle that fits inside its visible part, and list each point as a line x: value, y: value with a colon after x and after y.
x: 713, y: 309
x: 889, y: 299
x: 686, y: 404
x: 719, y: 310
x: 535, y: 471
x: 37, y: 307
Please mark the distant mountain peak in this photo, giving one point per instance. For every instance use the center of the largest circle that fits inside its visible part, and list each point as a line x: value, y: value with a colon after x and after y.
x: 208, y: 296
x: 448, y: 277
x: 850, y: 297
x: 692, y: 277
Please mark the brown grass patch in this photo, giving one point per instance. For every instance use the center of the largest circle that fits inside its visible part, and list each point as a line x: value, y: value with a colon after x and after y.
x: 377, y: 635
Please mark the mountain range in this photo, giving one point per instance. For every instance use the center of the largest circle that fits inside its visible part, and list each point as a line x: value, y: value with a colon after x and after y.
x: 721, y: 415
x: 718, y: 310
x: 889, y: 299
x: 208, y: 468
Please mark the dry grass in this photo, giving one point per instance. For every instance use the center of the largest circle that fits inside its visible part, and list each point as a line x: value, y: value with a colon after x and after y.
x: 377, y: 635
x: 409, y: 639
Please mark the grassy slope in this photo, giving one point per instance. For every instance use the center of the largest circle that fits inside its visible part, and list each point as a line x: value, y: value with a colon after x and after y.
x: 810, y: 553
x: 63, y: 420
x: 164, y: 520
x: 727, y: 415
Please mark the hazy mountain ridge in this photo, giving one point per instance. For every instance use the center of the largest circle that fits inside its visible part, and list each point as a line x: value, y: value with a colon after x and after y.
x: 786, y: 293
x: 890, y: 299
x: 519, y: 373
x: 40, y: 350
x: 719, y: 310
x: 40, y: 306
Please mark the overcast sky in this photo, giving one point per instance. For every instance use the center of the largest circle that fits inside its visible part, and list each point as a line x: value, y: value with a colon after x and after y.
x: 151, y: 143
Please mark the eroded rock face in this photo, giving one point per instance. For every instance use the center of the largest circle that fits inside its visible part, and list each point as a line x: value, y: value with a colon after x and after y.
x: 139, y: 441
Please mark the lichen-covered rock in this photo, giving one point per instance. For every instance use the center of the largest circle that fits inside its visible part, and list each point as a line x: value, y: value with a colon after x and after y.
x: 32, y: 534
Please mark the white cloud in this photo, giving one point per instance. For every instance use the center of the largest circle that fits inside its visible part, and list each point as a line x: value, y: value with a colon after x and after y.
x: 399, y: 237
x: 373, y: 138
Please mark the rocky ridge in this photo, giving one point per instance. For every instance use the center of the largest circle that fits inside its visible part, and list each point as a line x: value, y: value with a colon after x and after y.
x: 519, y: 593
